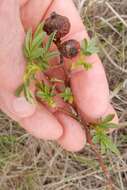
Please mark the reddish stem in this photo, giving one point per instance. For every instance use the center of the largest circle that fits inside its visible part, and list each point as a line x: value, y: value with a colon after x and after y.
x: 99, y: 158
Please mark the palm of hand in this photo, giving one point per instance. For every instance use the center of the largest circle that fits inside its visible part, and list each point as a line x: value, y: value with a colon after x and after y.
x: 35, y: 118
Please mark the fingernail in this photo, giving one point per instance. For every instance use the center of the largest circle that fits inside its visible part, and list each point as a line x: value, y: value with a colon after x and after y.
x: 23, y: 108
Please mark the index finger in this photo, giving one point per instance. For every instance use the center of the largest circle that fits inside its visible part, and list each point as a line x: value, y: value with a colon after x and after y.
x: 90, y: 88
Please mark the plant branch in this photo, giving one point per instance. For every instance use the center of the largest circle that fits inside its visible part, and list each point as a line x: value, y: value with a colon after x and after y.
x: 99, y: 158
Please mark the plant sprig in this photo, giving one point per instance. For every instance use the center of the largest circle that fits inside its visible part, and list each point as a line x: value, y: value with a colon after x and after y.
x: 67, y: 95
x: 37, y: 55
x: 46, y: 93
x: 88, y: 47
x: 86, y: 65
x: 100, y: 134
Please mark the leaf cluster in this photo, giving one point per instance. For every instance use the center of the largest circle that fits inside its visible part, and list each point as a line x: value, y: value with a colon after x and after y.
x: 100, y: 136
x: 89, y: 47
x: 46, y: 93
x: 67, y: 95
x: 37, y: 54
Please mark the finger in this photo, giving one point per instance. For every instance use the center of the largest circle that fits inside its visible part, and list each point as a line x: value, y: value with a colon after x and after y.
x: 71, y: 128
x: 23, y: 2
x: 40, y: 123
x: 33, y: 12
x: 12, y: 63
x: 43, y: 125
x: 94, y: 86
x: 89, y: 87
x: 73, y: 138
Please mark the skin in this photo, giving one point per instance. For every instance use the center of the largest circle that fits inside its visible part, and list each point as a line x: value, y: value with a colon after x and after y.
x: 90, y: 88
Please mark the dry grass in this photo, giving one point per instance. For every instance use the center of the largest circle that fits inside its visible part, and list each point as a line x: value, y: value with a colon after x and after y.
x: 30, y: 164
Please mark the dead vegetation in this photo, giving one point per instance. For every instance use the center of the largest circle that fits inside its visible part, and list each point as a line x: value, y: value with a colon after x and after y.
x: 30, y: 164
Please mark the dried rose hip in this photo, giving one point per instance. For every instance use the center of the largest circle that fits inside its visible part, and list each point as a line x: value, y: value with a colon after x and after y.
x: 70, y: 48
x: 57, y: 23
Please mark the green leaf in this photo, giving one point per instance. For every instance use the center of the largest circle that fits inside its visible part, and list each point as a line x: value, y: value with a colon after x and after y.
x: 19, y: 90
x: 28, y: 94
x: 53, y: 54
x: 87, y: 66
x: 108, y: 118
x: 95, y: 139
x: 67, y: 95
x: 89, y: 47
x: 105, y: 142
x: 36, y: 53
x: 50, y: 41
x: 37, y: 41
x: 38, y: 30
x: 109, y: 145
x: 103, y: 148
x: 28, y: 41
x: 108, y: 125
x: 46, y: 94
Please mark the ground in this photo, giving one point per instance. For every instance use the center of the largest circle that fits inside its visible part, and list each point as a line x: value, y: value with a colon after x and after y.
x: 30, y: 164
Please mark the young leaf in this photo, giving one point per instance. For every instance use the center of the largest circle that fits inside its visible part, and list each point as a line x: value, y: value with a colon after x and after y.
x: 87, y: 66
x: 95, y: 139
x: 109, y: 145
x: 108, y: 125
x: 36, y: 53
x: 108, y: 118
x: 89, y: 47
x: 28, y: 94
x: 53, y: 54
x: 31, y: 70
x: 37, y: 42
x: 19, y: 90
x: 42, y: 64
x: 103, y: 148
x: 50, y: 41
x: 67, y: 95
x: 38, y: 30
x: 46, y: 94
x: 105, y: 142
x: 28, y: 41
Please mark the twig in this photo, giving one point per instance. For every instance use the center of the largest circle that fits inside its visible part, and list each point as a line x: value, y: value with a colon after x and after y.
x: 100, y: 160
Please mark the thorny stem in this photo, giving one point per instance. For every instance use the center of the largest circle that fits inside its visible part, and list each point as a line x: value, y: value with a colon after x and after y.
x: 89, y: 139
x: 99, y: 158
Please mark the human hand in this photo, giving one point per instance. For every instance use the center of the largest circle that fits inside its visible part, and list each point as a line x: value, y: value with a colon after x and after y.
x: 92, y: 97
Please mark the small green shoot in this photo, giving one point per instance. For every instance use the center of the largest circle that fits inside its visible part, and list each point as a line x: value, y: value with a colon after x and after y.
x: 89, y: 47
x: 100, y: 136
x: 86, y: 65
x: 37, y: 55
x: 67, y: 95
x: 46, y: 94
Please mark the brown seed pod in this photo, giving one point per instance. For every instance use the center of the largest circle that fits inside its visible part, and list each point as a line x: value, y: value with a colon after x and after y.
x: 70, y: 48
x: 57, y: 23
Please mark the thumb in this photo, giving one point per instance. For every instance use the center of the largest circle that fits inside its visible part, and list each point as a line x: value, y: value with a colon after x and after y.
x: 12, y: 63
x: 9, y: 19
